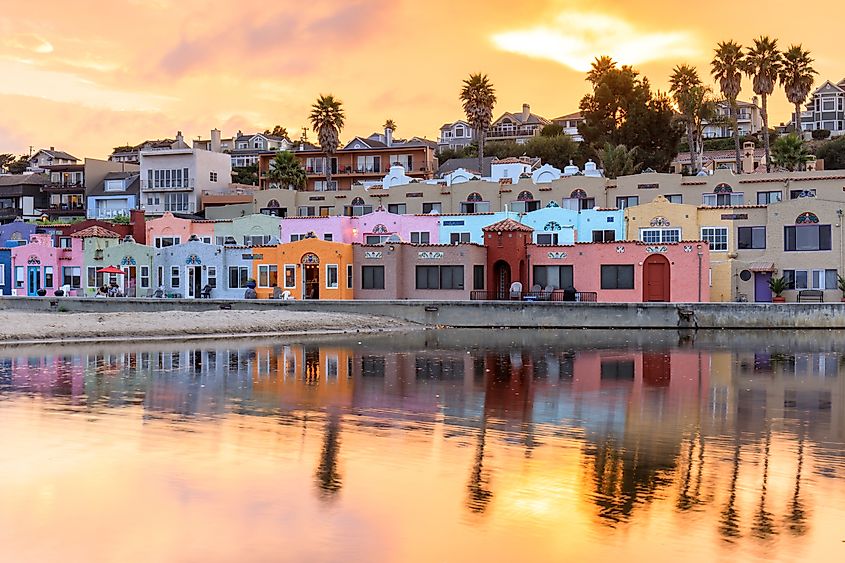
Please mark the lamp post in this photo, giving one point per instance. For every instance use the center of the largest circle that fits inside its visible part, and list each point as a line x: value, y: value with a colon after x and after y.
x: 700, y: 254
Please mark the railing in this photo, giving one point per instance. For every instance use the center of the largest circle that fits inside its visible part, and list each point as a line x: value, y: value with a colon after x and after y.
x: 184, y: 185
x: 11, y: 212
x: 112, y: 213
x: 556, y: 295
x: 520, y: 132
x: 66, y: 187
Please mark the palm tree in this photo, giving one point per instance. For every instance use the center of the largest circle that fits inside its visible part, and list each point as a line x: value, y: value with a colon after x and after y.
x: 286, y: 171
x: 599, y: 68
x: 789, y: 151
x: 478, y: 98
x: 726, y: 67
x: 618, y: 160
x: 390, y: 124
x: 328, y: 476
x: 763, y: 63
x: 797, y: 79
x: 684, y: 85
x: 327, y: 121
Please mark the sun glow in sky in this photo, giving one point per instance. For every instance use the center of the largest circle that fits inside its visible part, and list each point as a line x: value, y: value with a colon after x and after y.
x: 106, y: 73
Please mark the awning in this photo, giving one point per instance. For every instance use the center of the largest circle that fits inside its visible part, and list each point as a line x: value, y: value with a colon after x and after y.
x: 110, y: 270
x: 762, y: 267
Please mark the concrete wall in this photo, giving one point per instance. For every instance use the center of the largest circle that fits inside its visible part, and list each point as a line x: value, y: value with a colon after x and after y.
x: 480, y: 314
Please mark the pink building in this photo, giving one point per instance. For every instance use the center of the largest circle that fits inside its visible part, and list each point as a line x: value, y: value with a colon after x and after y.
x: 40, y: 265
x: 334, y: 228
x: 168, y: 230
x: 372, y: 228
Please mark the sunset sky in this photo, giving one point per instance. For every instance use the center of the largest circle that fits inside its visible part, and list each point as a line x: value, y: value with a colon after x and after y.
x: 92, y: 74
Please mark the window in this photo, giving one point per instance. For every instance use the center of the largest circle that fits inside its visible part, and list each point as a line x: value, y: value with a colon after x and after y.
x: 174, y: 276
x: 723, y: 199
x: 171, y: 178
x: 145, y: 277
x: 795, y: 194
x: 325, y: 186
x: 455, y: 238
x: 328, y: 237
x: 268, y: 275
x: 212, y: 176
x: 326, y: 210
x: 478, y: 277
x: 72, y: 276
x: 331, y: 276
x: 432, y: 207
x: 607, y: 235
x: 238, y: 276
x: 64, y: 242
x: 162, y: 242
x: 716, y: 236
x: 619, y: 370
x: 48, y: 276
x: 176, y: 202
x: 290, y: 276
x: 751, y: 238
x: 765, y: 198
x: 2, y: 275
x: 475, y: 206
x: 398, y: 208
x: 375, y: 239
x: 626, y: 201
x: 19, y: 276
x: 440, y: 277
x: 256, y: 240
x: 404, y: 160
x: 306, y: 211
x: 420, y: 237
x: 160, y: 276
x: 559, y: 277
x: 806, y: 237
x: 547, y: 238
x: 372, y: 277
x: 524, y: 206
x: 368, y: 164
x: 617, y: 276
x: 811, y: 279
x: 298, y: 236
x: 660, y: 236
x: 349, y: 276
x: 675, y: 198
x: 357, y: 210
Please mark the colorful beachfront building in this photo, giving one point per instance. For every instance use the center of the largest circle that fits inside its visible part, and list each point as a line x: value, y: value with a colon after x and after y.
x: 185, y: 269
x: 169, y: 230
x: 95, y: 241
x: 136, y: 261
x: 250, y: 230
x: 5, y: 271
x: 40, y: 265
x: 16, y: 233
x: 335, y: 228
x: 622, y: 271
x: 307, y: 269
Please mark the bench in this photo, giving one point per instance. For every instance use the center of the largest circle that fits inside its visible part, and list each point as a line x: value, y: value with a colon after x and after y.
x: 811, y: 295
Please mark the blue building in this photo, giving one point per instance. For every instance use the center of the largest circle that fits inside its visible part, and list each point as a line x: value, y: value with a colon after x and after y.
x: 15, y: 233
x: 5, y: 271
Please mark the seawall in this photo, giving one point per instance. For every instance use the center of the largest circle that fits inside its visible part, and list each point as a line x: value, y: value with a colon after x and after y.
x: 485, y: 314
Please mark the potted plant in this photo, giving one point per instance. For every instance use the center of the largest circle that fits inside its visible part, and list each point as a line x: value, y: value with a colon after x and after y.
x: 778, y: 286
x: 842, y: 287
x: 41, y: 292
x: 250, y: 283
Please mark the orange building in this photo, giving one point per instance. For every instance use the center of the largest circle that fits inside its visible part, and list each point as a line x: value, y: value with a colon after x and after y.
x: 308, y: 269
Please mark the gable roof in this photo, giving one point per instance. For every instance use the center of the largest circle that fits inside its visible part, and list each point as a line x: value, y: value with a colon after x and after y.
x: 24, y: 180
x: 569, y: 116
x: 458, y: 122
x: 840, y: 87
x: 55, y: 154
x: 95, y: 231
x: 533, y: 118
x: 508, y: 225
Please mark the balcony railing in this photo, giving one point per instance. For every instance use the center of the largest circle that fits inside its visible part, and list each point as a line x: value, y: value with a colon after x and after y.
x: 518, y: 132
x: 11, y: 212
x: 71, y: 187
x: 184, y: 185
x: 65, y: 211
x: 111, y: 213
x: 556, y: 295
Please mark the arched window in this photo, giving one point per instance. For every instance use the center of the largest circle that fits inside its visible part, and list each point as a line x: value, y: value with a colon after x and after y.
x: 525, y: 195
x: 274, y: 203
x: 552, y: 204
x: 474, y: 196
x: 722, y: 189
x: 310, y: 258
x: 358, y: 201
x: 552, y: 226
x: 807, y: 218
x: 578, y: 194
x: 380, y: 229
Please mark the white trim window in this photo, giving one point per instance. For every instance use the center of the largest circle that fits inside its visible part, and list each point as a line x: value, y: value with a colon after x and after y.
x: 717, y: 237
x: 2, y: 275
x: 349, y: 278
x: 660, y: 235
x: 268, y: 275
x: 290, y: 276
x: 211, y: 276
x: 20, y: 277
x: 163, y: 242
x: 145, y: 277
x: 175, y: 277
x: 420, y: 237
x: 332, y: 276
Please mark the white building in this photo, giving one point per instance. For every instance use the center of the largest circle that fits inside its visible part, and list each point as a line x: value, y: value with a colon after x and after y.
x: 570, y: 124
x: 174, y: 179
x: 455, y: 135
x: 748, y: 117
x: 826, y: 109
x: 44, y: 158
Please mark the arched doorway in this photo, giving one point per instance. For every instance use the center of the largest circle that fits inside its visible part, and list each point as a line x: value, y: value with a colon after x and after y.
x: 310, y: 276
x: 656, y: 278
x: 502, y: 279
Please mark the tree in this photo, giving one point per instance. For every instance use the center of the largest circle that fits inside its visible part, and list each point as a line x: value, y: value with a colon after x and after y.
x: 789, y: 151
x: 684, y: 85
x: 618, y: 160
x: 389, y: 124
x: 286, y: 171
x: 622, y: 110
x: 5, y: 160
x: 557, y: 151
x: 552, y: 130
x: 833, y: 154
x: 796, y: 75
x: 245, y: 174
x: 763, y: 63
x: 478, y: 98
x: 726, y: 67
x: 599, y: 68
x: 277, y: 131
x: 18, y: 166
x: 327, y: 120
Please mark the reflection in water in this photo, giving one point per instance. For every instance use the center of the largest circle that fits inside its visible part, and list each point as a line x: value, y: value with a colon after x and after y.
x: 581, y: 430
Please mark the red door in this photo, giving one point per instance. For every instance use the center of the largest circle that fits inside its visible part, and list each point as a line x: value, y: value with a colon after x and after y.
x: 656, y: 278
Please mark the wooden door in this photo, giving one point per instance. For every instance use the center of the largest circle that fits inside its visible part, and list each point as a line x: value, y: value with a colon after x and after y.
x: 656, y: 278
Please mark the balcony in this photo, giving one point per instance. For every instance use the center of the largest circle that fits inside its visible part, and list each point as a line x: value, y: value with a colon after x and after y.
x: 111, y: 213
x: 10, y: 212
x: 66, y: 188
x: 507, y: 132
x: 159, y: 187
x: 65, y: 211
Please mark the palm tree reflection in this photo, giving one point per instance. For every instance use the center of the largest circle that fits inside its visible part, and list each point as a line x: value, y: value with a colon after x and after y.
x: 763, y: 522
x: 327, y: 476
x: 797, y: 517
x: 479, y: 482
x: 729, y: 523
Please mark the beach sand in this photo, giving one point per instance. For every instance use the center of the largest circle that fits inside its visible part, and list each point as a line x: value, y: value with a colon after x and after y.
x: 18, y: 326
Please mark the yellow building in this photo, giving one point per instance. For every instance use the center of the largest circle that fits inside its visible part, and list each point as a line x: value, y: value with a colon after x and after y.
x: 661, y: 221
x: 308, y: 269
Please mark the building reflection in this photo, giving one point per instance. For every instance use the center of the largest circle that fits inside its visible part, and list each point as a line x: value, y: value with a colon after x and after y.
x: 694, y: 423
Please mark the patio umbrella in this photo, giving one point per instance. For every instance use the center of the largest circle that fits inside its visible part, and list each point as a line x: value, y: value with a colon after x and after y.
x: 110, y: 270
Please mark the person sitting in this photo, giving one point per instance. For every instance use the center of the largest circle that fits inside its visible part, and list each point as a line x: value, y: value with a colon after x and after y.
x: 114, y: 290
x: 159, y: 293
x: 206, y: 292
x: 102, y: 291
x: 277, y: 292
x: 250, y: 293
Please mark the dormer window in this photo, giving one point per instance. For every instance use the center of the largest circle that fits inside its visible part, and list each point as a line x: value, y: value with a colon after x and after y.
x: 459, y: 131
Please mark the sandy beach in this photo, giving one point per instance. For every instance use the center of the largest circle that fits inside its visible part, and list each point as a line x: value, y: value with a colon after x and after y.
x: 16, y: 326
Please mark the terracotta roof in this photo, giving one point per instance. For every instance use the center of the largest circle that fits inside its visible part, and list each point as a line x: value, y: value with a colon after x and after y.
x: 95, y: 231
x: 508, y: 225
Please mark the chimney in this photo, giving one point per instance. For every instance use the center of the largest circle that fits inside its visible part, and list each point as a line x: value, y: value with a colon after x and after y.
x: 215, y: 140
x: 388, y: 136
x: 526, y: 111
x: 179, y: 138
x: 52, y: 148
x: 138, y: 223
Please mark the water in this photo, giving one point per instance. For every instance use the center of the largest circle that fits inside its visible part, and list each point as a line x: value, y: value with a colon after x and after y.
x: 432, y: 446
